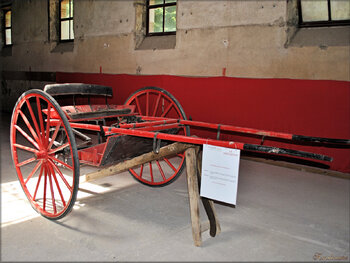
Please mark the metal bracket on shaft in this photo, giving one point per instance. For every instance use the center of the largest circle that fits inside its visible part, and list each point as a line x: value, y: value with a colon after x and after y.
x: 156, y: 143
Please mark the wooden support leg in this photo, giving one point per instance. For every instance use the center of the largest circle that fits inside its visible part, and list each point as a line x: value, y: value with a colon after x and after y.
x: 208, y: 204
x: 193, y: 192
x: 193, y: 166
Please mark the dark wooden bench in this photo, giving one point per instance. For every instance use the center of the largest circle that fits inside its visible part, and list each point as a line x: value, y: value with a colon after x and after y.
x: 78, y: 89
x: 86, y: 111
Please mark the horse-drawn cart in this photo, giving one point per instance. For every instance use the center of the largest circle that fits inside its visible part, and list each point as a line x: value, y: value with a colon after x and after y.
x: 49, y: 142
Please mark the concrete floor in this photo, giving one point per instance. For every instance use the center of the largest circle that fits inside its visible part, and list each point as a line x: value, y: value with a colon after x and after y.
x: 281, y: 215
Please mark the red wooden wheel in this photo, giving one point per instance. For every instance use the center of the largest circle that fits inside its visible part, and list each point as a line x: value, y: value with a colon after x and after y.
x: 44, y: 154
x: 156, y: 102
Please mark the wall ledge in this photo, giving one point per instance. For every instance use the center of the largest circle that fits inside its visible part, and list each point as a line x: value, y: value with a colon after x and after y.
x: 158, y: 42
x: 321, y: 36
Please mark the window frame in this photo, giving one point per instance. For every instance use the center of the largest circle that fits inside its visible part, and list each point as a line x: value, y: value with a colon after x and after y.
x: 164, y: 5
x: 5, y: 10
x: 60, y: 19
x: 327, y: 23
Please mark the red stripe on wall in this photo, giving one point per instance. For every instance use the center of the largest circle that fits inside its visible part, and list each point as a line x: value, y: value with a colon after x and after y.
x: 305, y: 107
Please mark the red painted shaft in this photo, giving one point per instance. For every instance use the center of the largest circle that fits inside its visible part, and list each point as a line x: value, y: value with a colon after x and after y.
x: 147, y: 124
x: 163, y: 136
x: 228, y: 128
x: 153, y: 128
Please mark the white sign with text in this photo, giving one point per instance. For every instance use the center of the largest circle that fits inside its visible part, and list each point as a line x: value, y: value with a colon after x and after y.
x: 220, y: 168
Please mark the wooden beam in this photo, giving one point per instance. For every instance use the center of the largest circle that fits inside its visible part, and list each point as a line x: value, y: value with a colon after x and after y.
x: 169, y: 150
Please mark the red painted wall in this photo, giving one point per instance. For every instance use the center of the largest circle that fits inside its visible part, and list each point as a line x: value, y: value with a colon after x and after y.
x: 305, y: 107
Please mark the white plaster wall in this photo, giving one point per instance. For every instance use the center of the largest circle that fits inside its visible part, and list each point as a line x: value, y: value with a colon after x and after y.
x: 29, y: 21
x: 103, y: 17
x: 204, y: 14
x: 246, y: 37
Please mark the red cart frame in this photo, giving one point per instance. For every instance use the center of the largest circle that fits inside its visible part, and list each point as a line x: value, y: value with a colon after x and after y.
x: 49, y: 142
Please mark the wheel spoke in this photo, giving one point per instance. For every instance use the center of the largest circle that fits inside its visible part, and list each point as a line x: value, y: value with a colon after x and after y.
x: 44, y: 195
x: 53, y: 138
x: 37, y: 184
x: 151, y: 171
x: 167, y: 110
x: 30, y: 160
x: 61, y: 175
x: 138, y: 105
x: 33, y: 171
x: 59, y: 148
x: 59, y: 161
x: 29, y: 126
x: 156, y: 106
x: 47, y: 134
x: 147, y: 103
x: 33, y: 117
x: 141, y: 170
x: 26, y: 148
x: 40, y: 118
x: 30, y: 139
x: 52, y: 192
x: 57, y: 184
x: 169, y: 163
x: 160, y: 170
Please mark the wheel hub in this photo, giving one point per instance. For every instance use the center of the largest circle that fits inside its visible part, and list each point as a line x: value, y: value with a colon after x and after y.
x: 43, y: 154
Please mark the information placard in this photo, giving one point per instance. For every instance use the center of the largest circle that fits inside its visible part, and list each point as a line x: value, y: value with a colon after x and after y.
x: 220, y: 168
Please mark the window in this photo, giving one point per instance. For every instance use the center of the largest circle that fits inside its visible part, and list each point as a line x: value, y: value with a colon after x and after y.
x: 161, y: 17
x: 323, y: 12
x: 8, y: 28
x: 66, y: 20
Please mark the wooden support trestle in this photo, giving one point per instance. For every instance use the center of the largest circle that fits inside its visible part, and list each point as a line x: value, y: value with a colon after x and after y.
x: 193, y: 166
